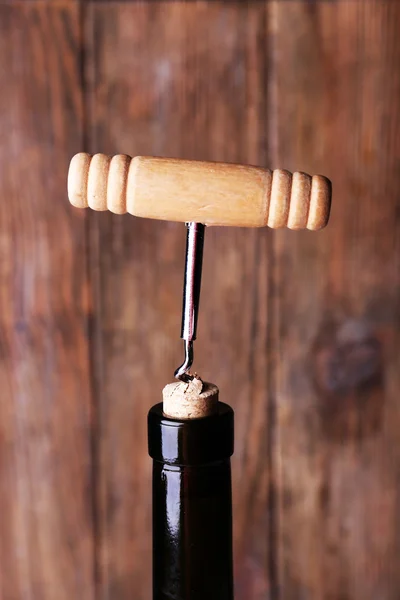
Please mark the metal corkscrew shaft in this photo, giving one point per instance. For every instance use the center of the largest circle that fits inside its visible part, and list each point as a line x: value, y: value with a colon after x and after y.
x: 191, y: 294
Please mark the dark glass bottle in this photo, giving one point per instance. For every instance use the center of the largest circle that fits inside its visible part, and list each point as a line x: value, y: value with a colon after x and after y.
x: 192, y: 505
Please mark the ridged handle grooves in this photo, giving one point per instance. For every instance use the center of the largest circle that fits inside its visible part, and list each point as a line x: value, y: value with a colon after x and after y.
x: 99, y: 182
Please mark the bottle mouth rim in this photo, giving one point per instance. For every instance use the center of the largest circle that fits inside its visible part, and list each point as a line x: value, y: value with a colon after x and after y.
x: 188, y: 442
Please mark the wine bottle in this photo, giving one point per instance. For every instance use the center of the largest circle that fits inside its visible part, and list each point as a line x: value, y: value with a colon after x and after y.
x: 192, y: 505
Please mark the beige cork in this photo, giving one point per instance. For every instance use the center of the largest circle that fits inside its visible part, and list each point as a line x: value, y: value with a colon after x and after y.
x: 193, y: 400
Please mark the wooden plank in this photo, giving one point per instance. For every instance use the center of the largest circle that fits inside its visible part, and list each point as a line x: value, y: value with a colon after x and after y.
x: 335, y: 109
x: 46, y: 535
x: 177, y: 79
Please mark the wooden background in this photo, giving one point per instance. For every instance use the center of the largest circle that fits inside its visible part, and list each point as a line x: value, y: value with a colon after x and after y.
x: 300, y: 330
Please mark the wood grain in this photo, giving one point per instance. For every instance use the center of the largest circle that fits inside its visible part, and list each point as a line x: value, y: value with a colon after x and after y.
x: 300, y: 331
x: 177, y: 79
x: 335, y: 93
x: 46, y: 532
x: 211, y: 193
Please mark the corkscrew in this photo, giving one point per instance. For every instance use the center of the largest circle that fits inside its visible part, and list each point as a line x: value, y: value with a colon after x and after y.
x: 200, y: 194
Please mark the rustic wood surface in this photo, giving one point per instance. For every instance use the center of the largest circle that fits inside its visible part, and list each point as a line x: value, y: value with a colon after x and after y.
x: 299, y: 330
x: 337, y: 453
x: 46, y: 474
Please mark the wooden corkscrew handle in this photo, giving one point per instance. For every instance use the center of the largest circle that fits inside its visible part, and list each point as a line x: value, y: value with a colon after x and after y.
x: 203, y: 192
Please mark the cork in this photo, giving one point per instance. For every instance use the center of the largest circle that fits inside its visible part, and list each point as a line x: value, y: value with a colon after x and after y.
x: 193, y: 400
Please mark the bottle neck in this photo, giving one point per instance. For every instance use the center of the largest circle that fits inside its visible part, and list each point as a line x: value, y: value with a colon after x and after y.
x: 192, y: 506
